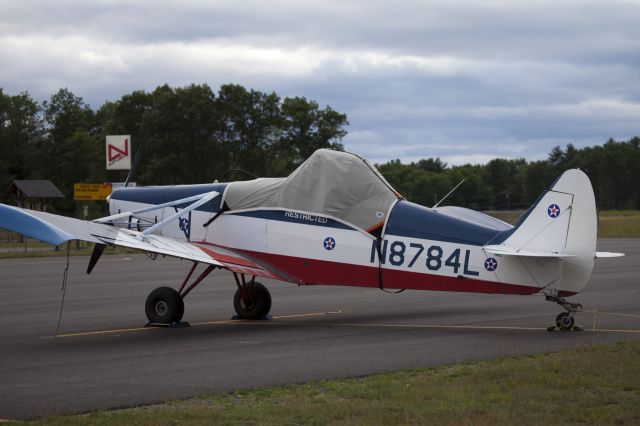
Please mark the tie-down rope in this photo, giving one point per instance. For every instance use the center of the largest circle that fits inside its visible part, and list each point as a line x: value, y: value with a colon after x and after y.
x: 64, y: 288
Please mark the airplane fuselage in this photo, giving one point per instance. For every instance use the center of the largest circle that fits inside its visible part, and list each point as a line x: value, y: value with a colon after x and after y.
x: 420, y: 248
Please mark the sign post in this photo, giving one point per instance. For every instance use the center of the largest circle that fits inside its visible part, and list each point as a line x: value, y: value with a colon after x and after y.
x: 118, y: 150
x: 91, y: 191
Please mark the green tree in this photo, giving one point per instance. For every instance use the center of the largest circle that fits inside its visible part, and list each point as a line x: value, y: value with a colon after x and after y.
x: 71, y: 150
x: 617, y: 175
x: 537, y: 177
x: 306, y: 128
x: 249, y: 125
x: 431, y: 165
x: 193, y: 135
x: 504, y: 178
x: 415, y: 183
x: 475, y: 192
x: 21, y: 129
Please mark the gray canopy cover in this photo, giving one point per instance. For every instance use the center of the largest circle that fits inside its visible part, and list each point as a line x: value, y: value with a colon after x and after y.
x: 330, y: 183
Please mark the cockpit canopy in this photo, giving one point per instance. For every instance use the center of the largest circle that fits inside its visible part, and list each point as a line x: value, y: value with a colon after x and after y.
x: 337, y: 184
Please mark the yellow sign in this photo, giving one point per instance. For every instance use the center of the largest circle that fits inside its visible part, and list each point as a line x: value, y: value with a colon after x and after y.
x: 91, y: 191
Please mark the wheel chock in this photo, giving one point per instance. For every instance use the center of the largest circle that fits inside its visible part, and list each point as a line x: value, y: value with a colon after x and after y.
x: 267, y: 317
x: 575, y: 328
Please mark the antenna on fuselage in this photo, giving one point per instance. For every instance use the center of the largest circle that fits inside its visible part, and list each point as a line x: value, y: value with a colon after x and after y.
x: 449, y: 193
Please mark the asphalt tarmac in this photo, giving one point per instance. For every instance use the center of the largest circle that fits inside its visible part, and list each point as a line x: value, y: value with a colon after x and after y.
x: 104, y: 358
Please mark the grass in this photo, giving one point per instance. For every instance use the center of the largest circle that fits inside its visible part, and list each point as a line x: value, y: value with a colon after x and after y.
x: 509, y: 216
x: 611, y: 223
x: 36, y: 248
x: 11, y: 247
x: 619, y: 223
x: 84, y: 251
x: 595, y: 385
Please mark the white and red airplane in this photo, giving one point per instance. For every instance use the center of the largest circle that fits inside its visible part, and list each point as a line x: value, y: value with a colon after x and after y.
x: 336, y: 221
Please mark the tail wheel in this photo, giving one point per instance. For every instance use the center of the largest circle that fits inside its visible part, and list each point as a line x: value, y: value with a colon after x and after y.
x: 164, y: 305
x: 255, y: 305
x: 565, y: 321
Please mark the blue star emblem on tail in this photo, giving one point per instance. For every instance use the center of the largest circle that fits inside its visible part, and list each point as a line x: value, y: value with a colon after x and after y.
x: 329, y: 243
x: 553, y: 210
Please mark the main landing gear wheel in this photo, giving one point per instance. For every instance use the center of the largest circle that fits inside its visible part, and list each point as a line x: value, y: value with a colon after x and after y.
x: 565, y: 321
x: 255, y: 304
x: 164, y: 306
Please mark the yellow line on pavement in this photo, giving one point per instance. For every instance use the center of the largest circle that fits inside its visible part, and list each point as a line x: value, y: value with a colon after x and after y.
x: 436, y: 326
x: 281, y: 320
x: 129, y: 330
x: 607, y: 330
x: 90, y: 333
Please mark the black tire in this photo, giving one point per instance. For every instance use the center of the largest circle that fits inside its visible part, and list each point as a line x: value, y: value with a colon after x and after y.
x: 164, y: 305
x: 564, y: 321
x: 257, y: 307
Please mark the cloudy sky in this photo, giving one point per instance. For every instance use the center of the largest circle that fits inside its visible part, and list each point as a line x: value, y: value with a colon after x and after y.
x: 464, y: 80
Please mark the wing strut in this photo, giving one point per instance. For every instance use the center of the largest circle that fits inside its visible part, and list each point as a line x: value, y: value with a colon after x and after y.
x: 205, y: 199
x: 209, y: 196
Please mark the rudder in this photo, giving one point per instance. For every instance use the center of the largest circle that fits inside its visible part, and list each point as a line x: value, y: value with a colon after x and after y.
x: 562, y: 223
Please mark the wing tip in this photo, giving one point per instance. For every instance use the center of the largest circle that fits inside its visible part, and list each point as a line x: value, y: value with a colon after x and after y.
x: 22, y: 222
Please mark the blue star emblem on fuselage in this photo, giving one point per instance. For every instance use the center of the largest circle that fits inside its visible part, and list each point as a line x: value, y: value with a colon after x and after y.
x: 553, y: 210
x: 184, y: 224
x: 329, y: 243
x: 490, y: 264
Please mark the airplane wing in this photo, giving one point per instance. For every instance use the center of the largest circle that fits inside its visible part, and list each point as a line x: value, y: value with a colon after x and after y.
x: 56, y: 230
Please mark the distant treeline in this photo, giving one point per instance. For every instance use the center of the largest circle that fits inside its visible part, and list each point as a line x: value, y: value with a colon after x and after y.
x: 193, y: 135
x: 190, y: 135
x: 614, y: 169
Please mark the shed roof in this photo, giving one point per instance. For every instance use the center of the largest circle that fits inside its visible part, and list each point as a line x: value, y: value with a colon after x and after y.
x: 33, y: 189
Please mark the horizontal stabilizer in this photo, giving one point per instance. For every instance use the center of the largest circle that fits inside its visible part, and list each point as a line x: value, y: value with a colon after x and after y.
x: 500, y: 250
x: 601, y: 254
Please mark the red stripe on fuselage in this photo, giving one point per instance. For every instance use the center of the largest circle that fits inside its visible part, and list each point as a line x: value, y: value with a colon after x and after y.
x: 215, y: 253
x: 234, y: 263
x: 312, y: 271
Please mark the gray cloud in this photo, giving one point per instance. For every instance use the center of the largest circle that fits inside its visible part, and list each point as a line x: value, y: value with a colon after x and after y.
x: 459, y: 80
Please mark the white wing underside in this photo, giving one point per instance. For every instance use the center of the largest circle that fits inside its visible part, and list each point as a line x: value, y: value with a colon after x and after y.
x: 55, y: 230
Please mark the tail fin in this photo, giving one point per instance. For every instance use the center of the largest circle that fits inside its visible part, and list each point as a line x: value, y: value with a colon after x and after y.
x: 561, y: 224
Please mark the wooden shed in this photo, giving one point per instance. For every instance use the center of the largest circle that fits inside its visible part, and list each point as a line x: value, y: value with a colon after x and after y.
x: 32, y: 194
